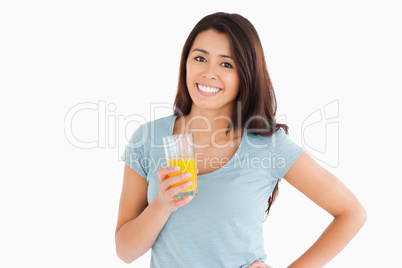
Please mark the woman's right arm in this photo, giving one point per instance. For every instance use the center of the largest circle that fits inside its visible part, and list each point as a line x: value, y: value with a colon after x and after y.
x: 139, y: 224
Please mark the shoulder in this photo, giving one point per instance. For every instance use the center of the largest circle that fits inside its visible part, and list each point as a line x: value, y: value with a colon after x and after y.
x: 279, y: 143
x: 280, y: 151
x: 163, y: 122
x: 152, y: 130
x: 255, y: 140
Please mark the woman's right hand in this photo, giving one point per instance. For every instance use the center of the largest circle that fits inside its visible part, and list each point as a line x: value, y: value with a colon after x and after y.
x: 165, y: 195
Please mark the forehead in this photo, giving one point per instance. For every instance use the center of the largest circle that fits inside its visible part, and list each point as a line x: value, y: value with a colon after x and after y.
x: 213, y: 42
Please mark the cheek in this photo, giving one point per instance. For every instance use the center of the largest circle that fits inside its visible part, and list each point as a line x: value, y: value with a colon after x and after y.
x: 189, y: 72
x: 234, y: 82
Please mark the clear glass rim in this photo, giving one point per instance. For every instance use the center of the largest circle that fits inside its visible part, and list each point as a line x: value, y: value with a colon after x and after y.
x: 173, y: 140
x: 177, y: 136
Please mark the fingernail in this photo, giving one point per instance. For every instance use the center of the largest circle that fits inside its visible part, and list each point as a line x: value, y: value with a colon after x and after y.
x: 176, y: 168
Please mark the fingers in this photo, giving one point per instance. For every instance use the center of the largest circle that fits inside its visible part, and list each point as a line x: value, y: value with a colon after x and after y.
x: 169, y: 182
x: 165, y: 171
x: 170, y: 186
x: 184, y: 201
x: 177, y: 189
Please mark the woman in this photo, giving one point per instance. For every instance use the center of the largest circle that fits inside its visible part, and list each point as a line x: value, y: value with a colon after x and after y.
x: 225, y: 97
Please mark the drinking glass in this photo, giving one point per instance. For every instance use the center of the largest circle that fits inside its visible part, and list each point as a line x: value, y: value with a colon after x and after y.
x: 179, y: 151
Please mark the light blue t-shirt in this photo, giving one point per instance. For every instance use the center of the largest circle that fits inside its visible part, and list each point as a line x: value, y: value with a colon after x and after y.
x: 223, y: 225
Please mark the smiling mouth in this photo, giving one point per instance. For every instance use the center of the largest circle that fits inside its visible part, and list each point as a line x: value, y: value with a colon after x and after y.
x: 208, y: 90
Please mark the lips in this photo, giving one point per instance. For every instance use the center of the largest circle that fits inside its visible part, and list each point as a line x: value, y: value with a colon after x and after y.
x: 208, y: 90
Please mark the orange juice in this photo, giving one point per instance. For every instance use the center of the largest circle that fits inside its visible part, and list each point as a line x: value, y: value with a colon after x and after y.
x: 186, y: 165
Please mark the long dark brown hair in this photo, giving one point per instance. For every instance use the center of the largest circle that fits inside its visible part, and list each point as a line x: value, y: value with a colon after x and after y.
x: 256, y: 99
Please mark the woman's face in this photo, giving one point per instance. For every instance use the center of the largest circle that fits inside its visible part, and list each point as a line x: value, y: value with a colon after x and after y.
x: 212, y: 79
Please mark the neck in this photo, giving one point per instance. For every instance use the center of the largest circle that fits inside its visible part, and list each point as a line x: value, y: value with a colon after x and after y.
x: 207, y: 124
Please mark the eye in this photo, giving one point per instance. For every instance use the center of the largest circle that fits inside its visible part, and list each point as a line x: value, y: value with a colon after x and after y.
x: 226, y: 65
x: 200, y: 59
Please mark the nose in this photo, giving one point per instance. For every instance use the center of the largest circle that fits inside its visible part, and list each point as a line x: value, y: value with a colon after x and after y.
x: 210, y: 72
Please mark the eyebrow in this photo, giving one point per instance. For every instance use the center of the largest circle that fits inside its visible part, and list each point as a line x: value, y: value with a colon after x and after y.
x: 206, y: 52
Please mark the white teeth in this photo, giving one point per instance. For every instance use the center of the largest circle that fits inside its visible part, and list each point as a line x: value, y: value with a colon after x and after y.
x: 208, y: 89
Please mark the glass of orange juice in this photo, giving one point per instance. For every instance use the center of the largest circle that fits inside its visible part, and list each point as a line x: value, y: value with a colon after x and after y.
x: 179, y: 151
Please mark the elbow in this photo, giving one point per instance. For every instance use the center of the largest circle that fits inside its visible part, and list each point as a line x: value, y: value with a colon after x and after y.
x: 361, y: 216
x: 355, y: 215
x: 122, y: 254
x: 126, y: 260
x: 358, y: 216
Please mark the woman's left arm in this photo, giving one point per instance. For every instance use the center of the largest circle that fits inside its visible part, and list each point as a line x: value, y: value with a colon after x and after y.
x: 331, y: 194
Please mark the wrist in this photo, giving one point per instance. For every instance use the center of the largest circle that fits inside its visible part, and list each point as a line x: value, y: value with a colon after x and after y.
x: 160, y: 208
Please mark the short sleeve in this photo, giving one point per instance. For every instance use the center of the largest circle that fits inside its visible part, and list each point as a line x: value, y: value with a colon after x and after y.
x: 135, y: 152
x: 285, y: 153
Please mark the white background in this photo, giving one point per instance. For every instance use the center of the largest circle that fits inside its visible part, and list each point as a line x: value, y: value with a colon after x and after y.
x: 59, y: 202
